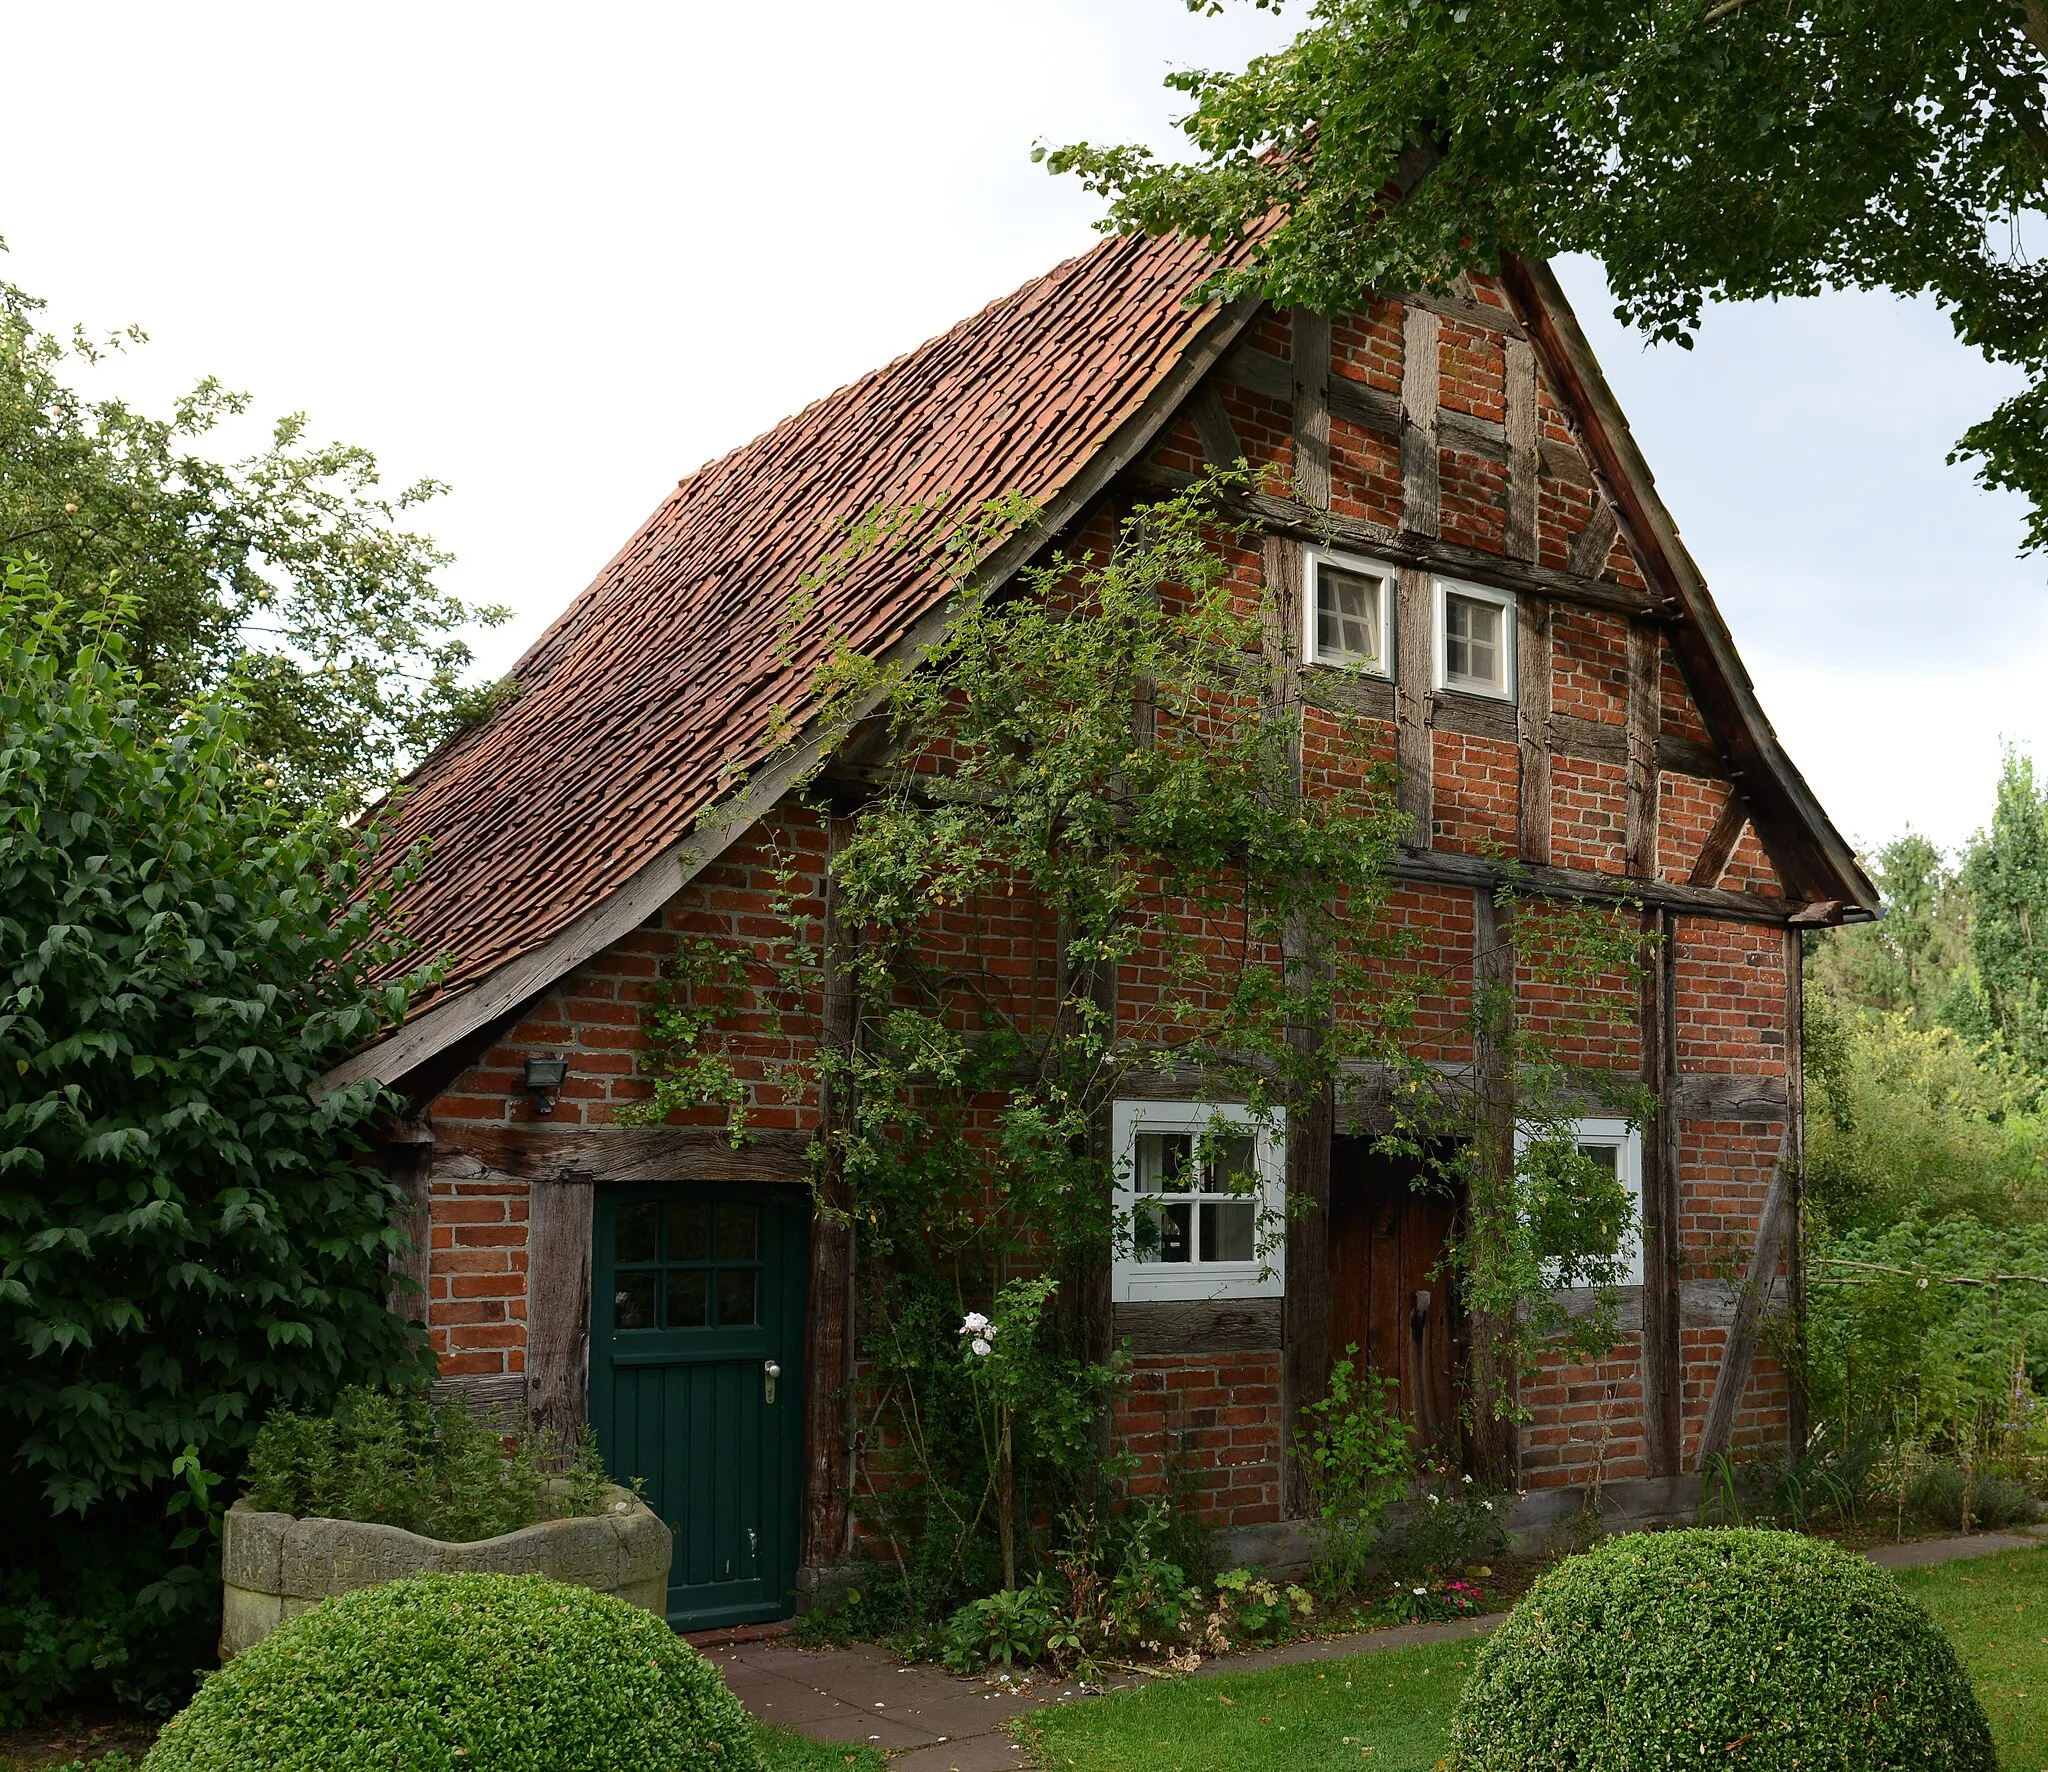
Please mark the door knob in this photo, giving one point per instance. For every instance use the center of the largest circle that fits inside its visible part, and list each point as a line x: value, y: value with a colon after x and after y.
x: 1420, y: 1314
x: 770, y: 1372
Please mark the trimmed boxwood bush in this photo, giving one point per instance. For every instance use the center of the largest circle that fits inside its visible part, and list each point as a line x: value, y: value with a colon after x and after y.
x: 505, y: 1673
x: 1747, y: 1649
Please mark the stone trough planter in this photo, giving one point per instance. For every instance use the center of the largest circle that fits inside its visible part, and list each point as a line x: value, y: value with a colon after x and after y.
x: 275, y: 1566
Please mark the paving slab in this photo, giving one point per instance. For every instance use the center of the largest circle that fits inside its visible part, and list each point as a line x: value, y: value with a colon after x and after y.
x: 1923, y: 1553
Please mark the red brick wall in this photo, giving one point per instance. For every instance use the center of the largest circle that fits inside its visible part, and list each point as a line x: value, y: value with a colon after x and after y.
x: 1212, y: 1421
x: 476, y: 1277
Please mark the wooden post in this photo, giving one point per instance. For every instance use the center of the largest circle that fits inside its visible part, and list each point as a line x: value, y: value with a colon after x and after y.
x: 409, y: 1161
x: 1662, y: 1373
x: 1414, y: 751
x: 1421, y: 383
x: 558, y: 1305
x: 828, y: 1367
x: 1520, y: 541
x: 1311, y: 352
x: 1645, y: 658
x: 1491, y: 1380
x: 1593, y: 543
x: 1532, y: 728
x: 1720, y: 842
x: 1797, y: 1425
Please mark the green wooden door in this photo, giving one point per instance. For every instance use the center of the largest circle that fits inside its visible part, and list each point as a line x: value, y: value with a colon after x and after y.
x: 696, y: 1383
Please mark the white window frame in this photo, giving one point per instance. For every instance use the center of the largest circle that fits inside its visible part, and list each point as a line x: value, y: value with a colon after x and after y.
x: 1133, y: 1281
x: 1311, y: 639
x: 1626, y: 1139
x: 1440, y: 589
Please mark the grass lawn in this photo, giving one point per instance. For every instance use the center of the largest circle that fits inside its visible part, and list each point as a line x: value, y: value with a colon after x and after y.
x: 787, y: 1751
x: 1391, y: 1711
x: 1995, y: 1611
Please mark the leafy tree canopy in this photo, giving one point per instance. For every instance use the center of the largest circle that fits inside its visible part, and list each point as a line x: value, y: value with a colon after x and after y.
x: 1700, y: 149
x: 2004, y: 993
x: 291, y: 570
x: 186, y: 1233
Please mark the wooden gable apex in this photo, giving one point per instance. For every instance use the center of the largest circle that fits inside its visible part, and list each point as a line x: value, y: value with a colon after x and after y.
x: 1157, y: 365
x: 1626, y: 558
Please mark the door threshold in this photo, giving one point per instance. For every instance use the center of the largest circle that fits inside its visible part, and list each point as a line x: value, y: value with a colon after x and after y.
x: 728, y: 1634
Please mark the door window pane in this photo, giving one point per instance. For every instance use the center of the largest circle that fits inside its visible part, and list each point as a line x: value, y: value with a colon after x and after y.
x: 1232, y: 1167
x: 738, y: 1296
x: 738, y: 1233
x: 689, y: 1298
x: 633, y: 1301
x: 689, y: 1231
x: 638, y: 1226
x: 1227, y: 1232
x: 1164, y: 1162
x: 1163, y: 1232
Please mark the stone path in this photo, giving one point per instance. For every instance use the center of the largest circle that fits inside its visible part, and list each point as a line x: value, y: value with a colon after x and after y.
x: 927, y: 1720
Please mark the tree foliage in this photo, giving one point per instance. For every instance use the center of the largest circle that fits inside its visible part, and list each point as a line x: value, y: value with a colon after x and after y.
x: 1700, y: 149
x: 187, y: 1233
x: 290, y: 571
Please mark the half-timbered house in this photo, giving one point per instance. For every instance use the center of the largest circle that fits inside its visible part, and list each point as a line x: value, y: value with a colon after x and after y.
x: 1557, y: 687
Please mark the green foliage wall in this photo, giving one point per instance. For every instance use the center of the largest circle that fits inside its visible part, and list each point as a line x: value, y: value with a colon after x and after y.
x: 187, y: 1233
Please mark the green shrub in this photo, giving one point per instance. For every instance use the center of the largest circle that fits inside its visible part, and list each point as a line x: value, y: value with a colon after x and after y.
x: 516, y: 1673
x: 1762, y: 1650
x: 395, y: 1460
x: 1994, y: 1499
x: 1358, y: 1459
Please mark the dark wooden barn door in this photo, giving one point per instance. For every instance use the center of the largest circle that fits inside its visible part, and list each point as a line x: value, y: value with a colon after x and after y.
x: 1386, y: 1241
x: 697, y: 1386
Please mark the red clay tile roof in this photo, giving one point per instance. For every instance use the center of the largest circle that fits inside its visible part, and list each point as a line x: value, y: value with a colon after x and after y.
x: 661, y: 677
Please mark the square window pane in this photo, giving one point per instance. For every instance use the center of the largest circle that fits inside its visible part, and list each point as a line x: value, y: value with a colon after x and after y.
x: 1347, y: 614
x: 1472, y: 641
x: 689, y: 1299
x: 1231, y: 1168
x: 1165, y: 1161
x: 689, y: 1231
x: 633, y: 1301
x: 739, y: 1234
x: 638, y: 1226
x: 739, y: 1292
x: 1227, y: 1231
x: 1608, y: 1156
x: 1161, y: 1232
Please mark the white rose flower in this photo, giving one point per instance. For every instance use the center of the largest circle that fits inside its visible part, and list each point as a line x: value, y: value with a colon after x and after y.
x: 980, y: 1347
x: 974, y: 1323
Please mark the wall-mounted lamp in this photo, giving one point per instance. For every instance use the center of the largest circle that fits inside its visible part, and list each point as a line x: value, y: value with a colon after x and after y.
x: 544, y: 1079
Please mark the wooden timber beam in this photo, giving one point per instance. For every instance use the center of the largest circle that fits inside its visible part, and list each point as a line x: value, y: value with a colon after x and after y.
x: 1309, y: 393
x: 1421, y: 412
x: 1444, y: 868
x: 1657, y: 1023
x: 1523, y: 465
x: 1533, y: 670
x: 1719, y: 847
x: 1645, y: 694
x: 1738, y: 1352
x: 1414, y: 747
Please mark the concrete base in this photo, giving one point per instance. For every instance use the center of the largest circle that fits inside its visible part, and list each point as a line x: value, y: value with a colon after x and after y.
x: 274, y: 1566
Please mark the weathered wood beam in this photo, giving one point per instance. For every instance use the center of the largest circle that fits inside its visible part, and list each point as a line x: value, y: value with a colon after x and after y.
x: 1592, y: 545
x: 1533, y: 669
x: 558, y: 1229
x: 1221, y: 446
x: 1603, y: 743
x: 1479, y: 716
x: 1796, y: 1424
x: 1421, y: 409
x: 1520, y: 540
x: 1662, y: 1369
x: 1244, y: 1325
x: 1738, y: 1352
x: 1720, y: 842
x: 1492, y: 1361
x: 1465, y: 311
x: 1442, y: 867
x: 1310, y: 393
x: 618, y: 1153
x: 1414, y: 749
x: 1645, y: 714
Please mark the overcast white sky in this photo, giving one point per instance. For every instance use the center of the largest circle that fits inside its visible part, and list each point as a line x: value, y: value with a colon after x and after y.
x: 560, y: 256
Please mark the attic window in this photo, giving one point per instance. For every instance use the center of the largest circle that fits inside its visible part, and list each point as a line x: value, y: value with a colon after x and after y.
x: 1347, y: 605
x: 1475, y: 639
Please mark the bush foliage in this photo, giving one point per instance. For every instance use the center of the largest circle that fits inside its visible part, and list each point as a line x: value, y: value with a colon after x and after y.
x: 187, y: 1234
x: 512, y: 1672
x: 1739, y: 1648
x: 396, y: 1460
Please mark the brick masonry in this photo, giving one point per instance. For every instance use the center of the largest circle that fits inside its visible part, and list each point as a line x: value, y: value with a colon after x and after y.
x: 1214, y: 1419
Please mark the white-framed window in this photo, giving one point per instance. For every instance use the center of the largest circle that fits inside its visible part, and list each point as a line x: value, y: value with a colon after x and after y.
x: 1347, y: 606
x: 1616, y: 1146
x: 1200, y: 1198
x: 1475, y: 639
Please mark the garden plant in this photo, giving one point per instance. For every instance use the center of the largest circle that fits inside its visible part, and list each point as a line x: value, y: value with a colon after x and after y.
x: 513, y: 1672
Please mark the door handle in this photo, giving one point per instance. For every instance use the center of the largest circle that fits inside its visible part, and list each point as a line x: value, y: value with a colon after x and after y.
x: 770, y: 1372
x: 1418, y: 1318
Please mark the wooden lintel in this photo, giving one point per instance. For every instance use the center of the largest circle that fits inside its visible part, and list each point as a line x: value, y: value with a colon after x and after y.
x: 1421, y: 407
x: 1532, y: 714
x: 1478, y: 716
x: 1309, y: 390
x: 618, y: 1153
x: 1720, y: 842
x: 1465, y: 312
